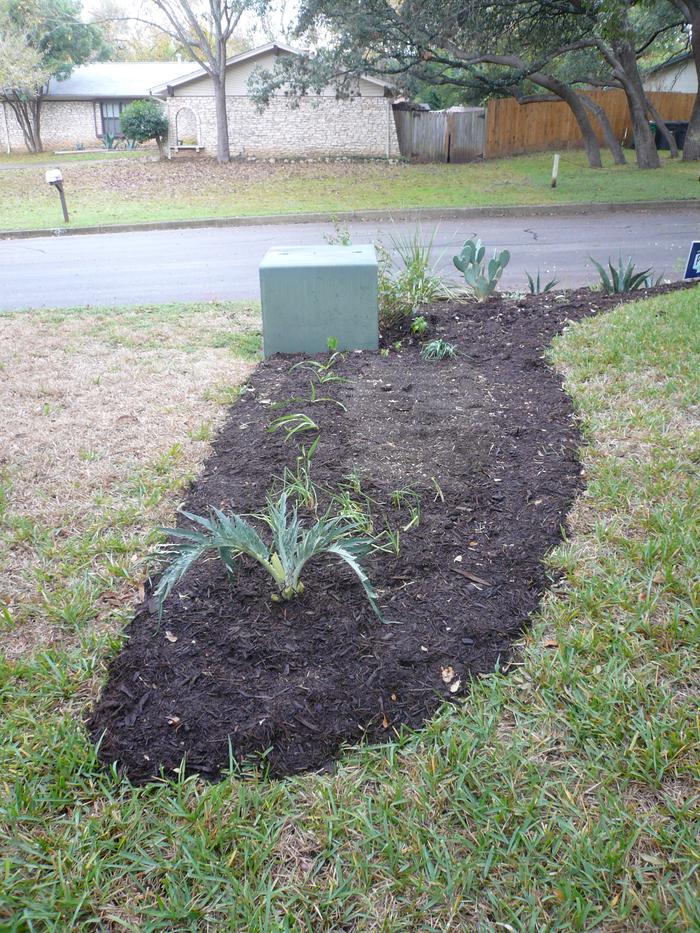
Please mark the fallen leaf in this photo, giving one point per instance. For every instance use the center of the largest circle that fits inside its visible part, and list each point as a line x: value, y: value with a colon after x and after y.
x: 170, y: 637
x: 471, y: 576
x: 174, y: 720
x: 550, y: 643
x: 385, y: 722
x: 448, y: 674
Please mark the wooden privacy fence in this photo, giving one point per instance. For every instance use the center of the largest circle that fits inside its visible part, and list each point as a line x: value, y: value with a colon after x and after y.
x: 513, y: 128
x: 441, y: 135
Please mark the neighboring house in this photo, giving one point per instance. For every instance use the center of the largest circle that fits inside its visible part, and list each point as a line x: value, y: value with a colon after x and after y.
x: 677, y: 74
x: 87, y: 104
x: 321, y: 125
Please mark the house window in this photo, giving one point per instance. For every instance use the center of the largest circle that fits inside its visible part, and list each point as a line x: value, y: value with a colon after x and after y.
x: 111, y: 111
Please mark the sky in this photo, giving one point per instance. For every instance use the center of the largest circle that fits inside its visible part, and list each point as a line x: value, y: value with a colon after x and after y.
x: 282, y: 16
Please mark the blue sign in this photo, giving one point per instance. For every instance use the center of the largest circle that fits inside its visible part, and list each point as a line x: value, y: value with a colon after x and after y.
x: 692, y: 270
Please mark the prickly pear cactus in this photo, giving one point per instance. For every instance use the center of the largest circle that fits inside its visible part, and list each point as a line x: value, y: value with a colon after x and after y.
x: 482, y: 279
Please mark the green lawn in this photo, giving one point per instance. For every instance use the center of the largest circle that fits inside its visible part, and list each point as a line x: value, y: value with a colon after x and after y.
x: 560, y: 796
x: 125, y: 191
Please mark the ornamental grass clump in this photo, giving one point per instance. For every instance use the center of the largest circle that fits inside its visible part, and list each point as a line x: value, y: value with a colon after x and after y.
x: 438, y: 350
x: 291, y: 546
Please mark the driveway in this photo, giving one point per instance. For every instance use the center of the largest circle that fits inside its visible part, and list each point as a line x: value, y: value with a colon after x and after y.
x: 155, y: 267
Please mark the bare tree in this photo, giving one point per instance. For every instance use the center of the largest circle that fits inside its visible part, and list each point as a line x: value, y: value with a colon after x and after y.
x: 205, y: 30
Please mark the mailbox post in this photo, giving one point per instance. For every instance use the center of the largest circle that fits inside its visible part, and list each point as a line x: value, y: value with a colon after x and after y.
x: 55, y: 177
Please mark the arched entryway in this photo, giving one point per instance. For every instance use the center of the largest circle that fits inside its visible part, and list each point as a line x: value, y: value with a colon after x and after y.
x: 187, y: 130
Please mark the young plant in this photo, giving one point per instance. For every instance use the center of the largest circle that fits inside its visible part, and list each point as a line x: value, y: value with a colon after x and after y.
x: 323, y: 371
x: 340, y: 236
x: 410, y: 282
x: 481, y: 278
x: 293, y: 424
x: 408, y: 498
x: 537, y: 287
x: 298, y: 482
x: 419, y: 325
x: 314, y: 398
x: 624, y: 278
x: 292, y: 546
x: 438, y: 350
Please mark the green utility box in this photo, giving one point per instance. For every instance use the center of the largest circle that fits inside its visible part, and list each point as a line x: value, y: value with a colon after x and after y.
x: 312, y: 293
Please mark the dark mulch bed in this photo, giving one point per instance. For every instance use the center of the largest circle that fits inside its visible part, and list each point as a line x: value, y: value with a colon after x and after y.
x: 299, y: 680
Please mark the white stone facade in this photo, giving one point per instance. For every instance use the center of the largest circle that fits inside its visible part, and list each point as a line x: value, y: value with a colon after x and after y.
x: 320, y: 127
x: 63, y: 124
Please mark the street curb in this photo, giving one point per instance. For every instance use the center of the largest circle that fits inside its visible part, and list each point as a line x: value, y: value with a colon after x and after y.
x: 399, y: 216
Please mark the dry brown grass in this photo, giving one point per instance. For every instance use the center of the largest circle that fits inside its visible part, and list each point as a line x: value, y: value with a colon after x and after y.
x: 89, y: 401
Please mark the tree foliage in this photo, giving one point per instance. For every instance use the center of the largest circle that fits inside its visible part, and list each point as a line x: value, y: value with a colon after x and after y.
x: 484, y: 47
x: 144, y: 120
x: 44, y: 39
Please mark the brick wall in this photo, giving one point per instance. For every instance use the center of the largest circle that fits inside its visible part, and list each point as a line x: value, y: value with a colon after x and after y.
x: 63, y: 124
x: 320, y: 126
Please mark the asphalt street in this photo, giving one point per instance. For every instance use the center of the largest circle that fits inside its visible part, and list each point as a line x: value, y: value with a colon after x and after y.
x: 222, y: 262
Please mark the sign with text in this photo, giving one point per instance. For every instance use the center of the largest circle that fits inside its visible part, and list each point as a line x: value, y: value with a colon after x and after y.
x: 692, y: 269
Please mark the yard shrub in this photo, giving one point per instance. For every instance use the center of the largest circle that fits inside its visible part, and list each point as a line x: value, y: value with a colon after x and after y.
x: 145, y: 120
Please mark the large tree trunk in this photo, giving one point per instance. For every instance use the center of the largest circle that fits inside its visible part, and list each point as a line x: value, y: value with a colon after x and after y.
x: 663, y: 129
x: 223, y: 150
x: 644, y: 144
x: 611, y: 140
x: 691, y: 149
x: 567, y: 94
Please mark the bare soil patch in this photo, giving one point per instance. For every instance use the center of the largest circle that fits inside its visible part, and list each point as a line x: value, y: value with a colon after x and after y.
x: 488, y: 440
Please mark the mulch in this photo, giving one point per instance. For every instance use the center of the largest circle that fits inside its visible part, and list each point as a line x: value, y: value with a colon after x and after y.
x: 488, y: 440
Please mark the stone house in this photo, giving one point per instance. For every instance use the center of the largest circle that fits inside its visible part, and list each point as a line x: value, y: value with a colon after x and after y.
x: 322, y: 125
x: 87, y: 105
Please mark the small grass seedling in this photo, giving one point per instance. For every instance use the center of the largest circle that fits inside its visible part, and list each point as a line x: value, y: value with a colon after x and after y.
x: 293, y: 424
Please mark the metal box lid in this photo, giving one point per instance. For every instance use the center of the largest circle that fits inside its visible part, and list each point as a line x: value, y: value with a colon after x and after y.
x: 314, y: 257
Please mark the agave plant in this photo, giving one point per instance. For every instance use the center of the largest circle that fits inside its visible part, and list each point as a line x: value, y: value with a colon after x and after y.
x: 481, y: 278
x: 624, y: 278
x: 291, y: 546
x: 537, y: 286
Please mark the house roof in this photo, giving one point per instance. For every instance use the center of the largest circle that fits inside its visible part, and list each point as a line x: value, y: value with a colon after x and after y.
x: 199, y: 72
x: 676, y: 60
x: 116, y: 80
